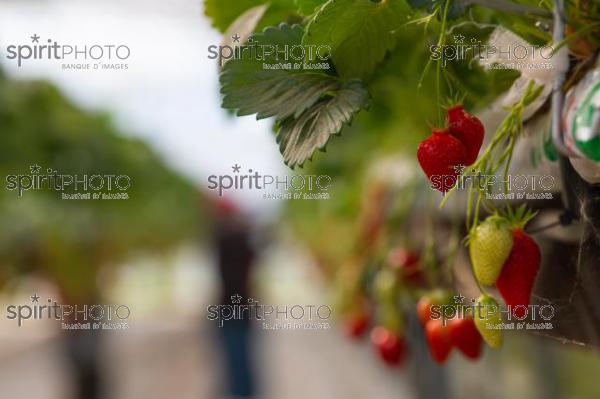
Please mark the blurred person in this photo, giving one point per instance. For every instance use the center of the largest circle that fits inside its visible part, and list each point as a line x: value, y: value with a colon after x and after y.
x: 82, y: 350
x: 235, y: 257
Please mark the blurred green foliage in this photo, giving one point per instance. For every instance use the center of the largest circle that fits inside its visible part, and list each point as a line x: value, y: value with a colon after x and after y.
x: 69, y: 240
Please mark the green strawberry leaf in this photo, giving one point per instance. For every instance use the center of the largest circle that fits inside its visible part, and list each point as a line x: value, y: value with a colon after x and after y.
x: 307, y: 7
x: 299, y: 138
x: 222, y: 13
x: 272, y: 93
x: 242, y: 28
x: 360, y: 32
x: 250, y: 88
x: 308, y: 105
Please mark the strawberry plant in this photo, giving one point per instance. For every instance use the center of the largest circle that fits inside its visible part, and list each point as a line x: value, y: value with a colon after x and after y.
x: 310, y: 105
x: 391, y: 76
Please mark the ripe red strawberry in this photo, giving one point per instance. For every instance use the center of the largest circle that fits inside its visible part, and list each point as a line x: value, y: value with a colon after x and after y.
x: 438, y: 339
x: 424, y: 310
x: 356, y: 324
x: 439, y: 155
x: 465, y: 336
x: 402, y: 257
x: 468, y: 129
x: 518, y: 272
x: 408, y: 264
x: 390, y: 347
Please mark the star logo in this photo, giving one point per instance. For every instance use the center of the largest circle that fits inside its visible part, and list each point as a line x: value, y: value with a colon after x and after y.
x: 236, y: 168
x: 236, y: 38
x: 459, y: 169
x: 459, y: 298
x: 35, y: 168
x: 35, y: 298
x: 35, y: 38
x: 236, y: 298
x: 459, y: 38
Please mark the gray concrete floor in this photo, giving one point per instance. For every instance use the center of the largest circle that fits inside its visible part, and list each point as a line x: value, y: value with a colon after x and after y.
x: 173, y: 360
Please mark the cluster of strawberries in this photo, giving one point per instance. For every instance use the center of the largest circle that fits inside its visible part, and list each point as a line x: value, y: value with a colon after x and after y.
x: 504, y: 255
x: 403, y: 267
x: 458, y: 332
x: 443, y: 335
x: 443, y: 153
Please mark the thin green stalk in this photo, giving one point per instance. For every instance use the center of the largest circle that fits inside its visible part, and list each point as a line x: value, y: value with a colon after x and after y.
x: 511, y: 146
x: 469, y: 206
x: 453, y: 247
x: 438, y: 72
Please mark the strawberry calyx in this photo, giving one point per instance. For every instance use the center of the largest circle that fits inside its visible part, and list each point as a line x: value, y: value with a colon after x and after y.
x: 519, y: 217
x: 440, y: 297
x: 437, y: 297
x: 454, y: 108
x: 439, y: 130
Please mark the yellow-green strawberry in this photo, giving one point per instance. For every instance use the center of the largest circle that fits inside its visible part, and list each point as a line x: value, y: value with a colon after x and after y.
x: 487, y: 319
x: 490, y: 244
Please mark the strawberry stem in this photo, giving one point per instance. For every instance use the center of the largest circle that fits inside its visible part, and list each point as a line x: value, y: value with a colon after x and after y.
x: 453, y: 246
x: 438, y: 72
